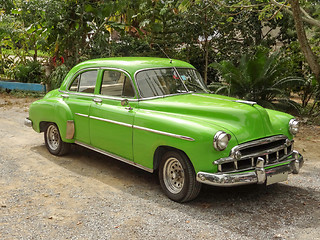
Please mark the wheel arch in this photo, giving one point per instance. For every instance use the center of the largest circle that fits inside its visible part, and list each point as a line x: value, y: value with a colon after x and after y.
x: 43, y: 125
x: 162, y: 150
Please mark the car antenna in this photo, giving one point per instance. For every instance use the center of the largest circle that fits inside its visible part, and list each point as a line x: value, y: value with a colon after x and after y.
x: 175, y: 69
x: 163, y: 51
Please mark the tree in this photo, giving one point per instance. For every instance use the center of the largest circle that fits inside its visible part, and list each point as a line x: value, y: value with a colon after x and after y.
x: 304, y: 44
x: 272, y: 9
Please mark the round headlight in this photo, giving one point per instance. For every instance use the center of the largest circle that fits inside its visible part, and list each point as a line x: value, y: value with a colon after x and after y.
x: 294, y: 126
x: 221, y: 140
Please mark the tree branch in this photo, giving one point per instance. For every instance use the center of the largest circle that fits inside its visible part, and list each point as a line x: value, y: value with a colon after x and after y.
x: 307, y: 18
x: 276, y: 12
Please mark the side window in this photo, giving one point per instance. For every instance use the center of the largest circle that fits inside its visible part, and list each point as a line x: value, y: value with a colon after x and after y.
x: 85, y: 82
x: 116, y: 84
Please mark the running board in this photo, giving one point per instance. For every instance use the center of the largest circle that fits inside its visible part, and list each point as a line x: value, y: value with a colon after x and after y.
x: 114, y: 156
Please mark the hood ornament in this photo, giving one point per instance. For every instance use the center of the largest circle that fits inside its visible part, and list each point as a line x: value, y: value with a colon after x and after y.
x: 246, y: 102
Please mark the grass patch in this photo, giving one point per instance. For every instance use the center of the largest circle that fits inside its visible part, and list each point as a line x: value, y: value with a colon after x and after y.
x: 22, y: 94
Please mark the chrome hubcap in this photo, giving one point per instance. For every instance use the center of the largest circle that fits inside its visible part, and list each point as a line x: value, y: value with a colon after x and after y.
x: 53, y: 137
x: 173, y: 175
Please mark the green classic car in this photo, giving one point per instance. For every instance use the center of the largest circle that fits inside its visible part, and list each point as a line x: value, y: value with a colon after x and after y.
x: 156, y: 114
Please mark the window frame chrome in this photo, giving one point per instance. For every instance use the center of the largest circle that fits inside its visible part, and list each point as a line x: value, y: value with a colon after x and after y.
x: 130, y: 99
x: 132, y: 84
x: 77, y: 74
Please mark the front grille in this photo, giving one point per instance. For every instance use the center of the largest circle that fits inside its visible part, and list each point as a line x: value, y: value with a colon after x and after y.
x: 272, y: 149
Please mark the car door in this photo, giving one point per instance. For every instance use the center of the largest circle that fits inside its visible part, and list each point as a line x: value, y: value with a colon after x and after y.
x: 79, y: 98
x: 110, y: 122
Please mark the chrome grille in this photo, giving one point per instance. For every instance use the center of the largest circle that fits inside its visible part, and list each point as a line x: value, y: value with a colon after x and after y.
x: 272, y: 149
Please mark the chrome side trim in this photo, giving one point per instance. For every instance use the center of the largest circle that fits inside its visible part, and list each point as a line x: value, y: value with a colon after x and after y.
x: 138, y: 127
x: 143, y: 128
x: 164, y: 133
x: 70, y: 129
x: 99, y: 96
x: 111, y: 121
x: 257, y: 176
x: 116, y: 98
x: 82, y: 115
x: 81, y: 94
x: 115, y: 156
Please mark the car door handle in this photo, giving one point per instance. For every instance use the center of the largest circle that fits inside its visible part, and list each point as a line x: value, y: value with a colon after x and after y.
x: 64, y: 95
x: 97, y: 100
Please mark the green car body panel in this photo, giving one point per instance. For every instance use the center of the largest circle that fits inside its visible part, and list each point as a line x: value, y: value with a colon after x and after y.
x: 187, y: 122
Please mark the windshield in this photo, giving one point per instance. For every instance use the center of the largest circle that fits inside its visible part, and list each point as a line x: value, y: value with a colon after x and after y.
x: 166, y: 81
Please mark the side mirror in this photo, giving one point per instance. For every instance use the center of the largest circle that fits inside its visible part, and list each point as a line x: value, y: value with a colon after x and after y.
x: 125, y: 102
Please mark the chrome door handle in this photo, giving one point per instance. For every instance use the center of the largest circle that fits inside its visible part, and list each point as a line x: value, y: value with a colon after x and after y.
x: 64, y: 95
x: 97, y: 100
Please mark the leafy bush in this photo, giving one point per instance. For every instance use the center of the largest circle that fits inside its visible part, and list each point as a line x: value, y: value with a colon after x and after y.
x: 57, y: 76
x: 259, y: 77
x: 31, y: 72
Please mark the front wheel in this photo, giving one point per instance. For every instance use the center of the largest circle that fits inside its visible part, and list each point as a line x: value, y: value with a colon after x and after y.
x: 53, y: 140
x: 177, y: 177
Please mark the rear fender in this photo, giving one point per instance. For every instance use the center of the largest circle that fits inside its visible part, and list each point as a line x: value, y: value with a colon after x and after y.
x: 64, y: 120
x: 53, y: 110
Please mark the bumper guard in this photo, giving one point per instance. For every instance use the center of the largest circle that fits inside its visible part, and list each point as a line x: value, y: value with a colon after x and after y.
x: 27, y: 122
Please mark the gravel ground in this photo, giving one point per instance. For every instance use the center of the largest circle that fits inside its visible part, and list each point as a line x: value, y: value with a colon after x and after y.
x: 86, y: 195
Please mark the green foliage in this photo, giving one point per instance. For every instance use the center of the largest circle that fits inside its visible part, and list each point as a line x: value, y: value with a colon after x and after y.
x: 57, y: 76
x: 22, y: 94
x: 31, y: 72
x: 258, y: 77
x: 200, y: 32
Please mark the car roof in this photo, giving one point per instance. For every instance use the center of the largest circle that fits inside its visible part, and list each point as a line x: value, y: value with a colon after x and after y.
x: 132, y: 64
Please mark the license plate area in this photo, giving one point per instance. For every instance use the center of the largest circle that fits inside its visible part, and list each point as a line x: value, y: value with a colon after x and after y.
x: 276, y: 177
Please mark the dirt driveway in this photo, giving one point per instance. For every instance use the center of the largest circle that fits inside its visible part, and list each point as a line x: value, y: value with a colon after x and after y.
x: 89, y: 196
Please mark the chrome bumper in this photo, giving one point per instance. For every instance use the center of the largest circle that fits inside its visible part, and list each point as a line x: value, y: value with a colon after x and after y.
x: 27, y: 122
x: 258, y: 176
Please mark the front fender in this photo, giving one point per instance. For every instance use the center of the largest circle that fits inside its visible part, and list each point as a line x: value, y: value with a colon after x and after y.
x: 280, y: 122
x: 189, y: 134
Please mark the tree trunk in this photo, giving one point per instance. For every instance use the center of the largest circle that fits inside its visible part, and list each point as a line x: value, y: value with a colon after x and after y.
x: 206, y: 52
x: 1, y: 60
x: 206, y: 61
x: 303, y: 41
x: 35, y: 55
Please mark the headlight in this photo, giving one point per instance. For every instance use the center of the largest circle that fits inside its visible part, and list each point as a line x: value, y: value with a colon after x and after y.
x: 221, y: 140
x: 294, y: 126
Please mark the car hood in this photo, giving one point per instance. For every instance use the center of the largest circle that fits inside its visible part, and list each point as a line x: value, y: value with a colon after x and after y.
x: 245, y: 121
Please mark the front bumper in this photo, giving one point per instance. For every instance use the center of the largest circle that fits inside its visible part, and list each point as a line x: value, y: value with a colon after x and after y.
x: 27, y: 122
x: 259, y: 175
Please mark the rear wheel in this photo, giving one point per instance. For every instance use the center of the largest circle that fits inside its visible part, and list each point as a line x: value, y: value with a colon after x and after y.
x: 53, y: 140
x: 177, y: 177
